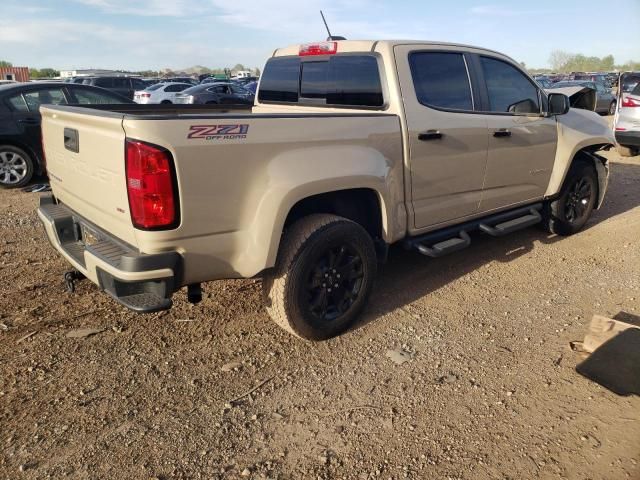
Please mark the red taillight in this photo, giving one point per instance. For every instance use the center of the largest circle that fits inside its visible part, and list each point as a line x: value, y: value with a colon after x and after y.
x: 150, y: 186
x: 146, y: 95
x: 322, y: 48
x: 630, y: 102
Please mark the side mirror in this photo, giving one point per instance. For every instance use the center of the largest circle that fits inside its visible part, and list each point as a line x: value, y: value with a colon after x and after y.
x: 558, y: 104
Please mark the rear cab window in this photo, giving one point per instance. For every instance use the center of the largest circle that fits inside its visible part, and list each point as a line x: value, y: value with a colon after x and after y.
x: 344, y: 80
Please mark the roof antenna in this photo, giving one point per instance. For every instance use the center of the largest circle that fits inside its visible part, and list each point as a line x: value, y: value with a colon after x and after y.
x: 330, y: 37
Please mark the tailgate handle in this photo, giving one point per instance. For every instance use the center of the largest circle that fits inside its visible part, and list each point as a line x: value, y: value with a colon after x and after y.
x: 71, y: 140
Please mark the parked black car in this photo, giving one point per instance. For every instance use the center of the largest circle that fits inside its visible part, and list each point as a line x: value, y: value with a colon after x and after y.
x: 216, y: 93
x: 124, y: 86
x: 251, y: 86
x: 20, y: 137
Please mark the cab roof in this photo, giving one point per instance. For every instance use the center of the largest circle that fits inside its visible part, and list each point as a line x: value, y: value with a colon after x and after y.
x: 347, y: 46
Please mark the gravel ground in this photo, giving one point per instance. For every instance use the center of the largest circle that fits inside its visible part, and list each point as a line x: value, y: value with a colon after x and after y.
x: 488, y: 388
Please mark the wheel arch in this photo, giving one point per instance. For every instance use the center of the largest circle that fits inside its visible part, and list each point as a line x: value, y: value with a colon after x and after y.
x: 360, y: 201
x: 587, y: 153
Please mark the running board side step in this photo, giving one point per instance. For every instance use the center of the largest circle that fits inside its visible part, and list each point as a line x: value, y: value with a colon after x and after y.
x: 510, y: 226
x: 448, y: 240
x: 446, y: 246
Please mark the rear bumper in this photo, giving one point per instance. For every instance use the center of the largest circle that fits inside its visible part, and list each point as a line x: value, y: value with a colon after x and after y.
x: 628, y: 139
x: 141, y: 282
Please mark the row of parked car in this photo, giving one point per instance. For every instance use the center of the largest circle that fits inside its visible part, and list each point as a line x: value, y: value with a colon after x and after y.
x: 170, y: 90
x: 184, y: 93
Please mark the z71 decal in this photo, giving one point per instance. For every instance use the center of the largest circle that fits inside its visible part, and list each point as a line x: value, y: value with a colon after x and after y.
x: 218, y: 132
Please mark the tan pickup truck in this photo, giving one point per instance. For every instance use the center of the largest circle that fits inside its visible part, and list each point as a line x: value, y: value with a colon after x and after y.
x: 351, y: 146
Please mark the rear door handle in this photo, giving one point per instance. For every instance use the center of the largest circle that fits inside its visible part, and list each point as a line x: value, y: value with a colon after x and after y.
x: 503, y: 132
x: 430, y: 135
x: 29, y: 121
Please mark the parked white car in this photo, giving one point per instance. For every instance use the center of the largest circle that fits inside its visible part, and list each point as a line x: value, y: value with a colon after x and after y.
x: 626, y: 123
x: 163, y: 92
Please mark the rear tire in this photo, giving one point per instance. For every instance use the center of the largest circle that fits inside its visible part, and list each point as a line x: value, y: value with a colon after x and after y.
x: 16, y: 167
x: 626, y: 151
x: 568, y: 213
x: 164, y: 102
x: 323, y: 277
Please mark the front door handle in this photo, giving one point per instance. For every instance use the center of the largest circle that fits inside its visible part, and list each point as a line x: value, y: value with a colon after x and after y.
x: 503, y: 132
x: 430, y: 135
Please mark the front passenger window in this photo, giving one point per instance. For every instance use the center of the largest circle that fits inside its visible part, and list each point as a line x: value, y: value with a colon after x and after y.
x: 510, y: 91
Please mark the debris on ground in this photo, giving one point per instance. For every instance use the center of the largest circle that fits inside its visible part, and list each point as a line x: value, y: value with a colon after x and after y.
x: 84, y: 332
x: 399, y: 356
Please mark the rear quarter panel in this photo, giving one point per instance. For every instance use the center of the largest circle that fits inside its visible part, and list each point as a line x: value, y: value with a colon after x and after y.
x: 236, y: 190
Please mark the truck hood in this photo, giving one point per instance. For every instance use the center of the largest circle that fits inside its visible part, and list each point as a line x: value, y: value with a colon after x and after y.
x: 579, y: 97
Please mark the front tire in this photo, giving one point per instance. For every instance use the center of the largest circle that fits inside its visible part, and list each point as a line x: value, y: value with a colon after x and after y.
x: 323, y: 277
x: 568, y: 213
x: 16, y: 167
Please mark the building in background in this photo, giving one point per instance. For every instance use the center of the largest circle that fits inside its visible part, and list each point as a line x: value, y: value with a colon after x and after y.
x: 17, y: 74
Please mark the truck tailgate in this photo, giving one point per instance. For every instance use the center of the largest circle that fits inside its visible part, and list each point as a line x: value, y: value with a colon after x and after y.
x: 86, y: 167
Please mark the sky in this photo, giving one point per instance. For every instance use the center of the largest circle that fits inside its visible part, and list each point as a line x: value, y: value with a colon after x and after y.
x: 155, y: 34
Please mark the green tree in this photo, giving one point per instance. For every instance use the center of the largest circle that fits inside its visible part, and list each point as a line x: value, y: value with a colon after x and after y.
x: 558, y: 59
x: 43, y: 73
x: 4, y: 63
x: 608, y: 63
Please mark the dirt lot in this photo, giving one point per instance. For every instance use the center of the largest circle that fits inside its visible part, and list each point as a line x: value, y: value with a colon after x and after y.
x: 489, y: 389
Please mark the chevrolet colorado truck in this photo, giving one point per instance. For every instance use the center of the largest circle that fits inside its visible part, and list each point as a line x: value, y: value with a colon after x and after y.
x: 351, y: 146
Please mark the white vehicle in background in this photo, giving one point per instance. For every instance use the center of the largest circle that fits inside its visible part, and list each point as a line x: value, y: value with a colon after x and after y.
x: 242, y: 74
x: 164, y: 92
x: 627, y: 120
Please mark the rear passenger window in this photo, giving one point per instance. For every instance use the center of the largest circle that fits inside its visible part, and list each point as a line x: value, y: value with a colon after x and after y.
x: 121, y: 83
x: 48, y: 96
x: 104, y: 82
x: 441, y: 80
x: 18, y: 104
x: 176, y: 88
x: 346, y: 80
x: 509, y: 90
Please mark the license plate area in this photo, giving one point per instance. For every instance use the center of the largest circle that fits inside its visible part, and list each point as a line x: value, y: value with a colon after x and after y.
x: 89, y: 236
